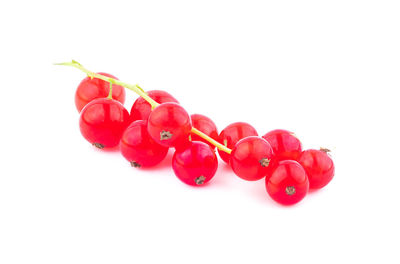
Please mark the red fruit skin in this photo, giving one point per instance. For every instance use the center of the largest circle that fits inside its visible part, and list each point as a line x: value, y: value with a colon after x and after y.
x: 173, y: 119
x: 102, y: 121
x: 205, y: 125
x: 318, y: 166
x: 285, y: 144
x: 90, y: 89
x: 139, y: 148
x: 194, y: 161
x: 247, y: 158
x: 288, y: 174
x: 141, y: 109
x: 232, y: 134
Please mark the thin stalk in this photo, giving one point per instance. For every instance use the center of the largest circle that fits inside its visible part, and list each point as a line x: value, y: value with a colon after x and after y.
x: 110, y: 92
x: 211, y: 140
x: 137, y: 89
x: 134, y: 87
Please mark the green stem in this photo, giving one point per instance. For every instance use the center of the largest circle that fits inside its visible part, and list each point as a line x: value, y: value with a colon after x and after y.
x: 134, y: 87
x: 137, y: 89
x: 110, y: 92
x: 211, y: 140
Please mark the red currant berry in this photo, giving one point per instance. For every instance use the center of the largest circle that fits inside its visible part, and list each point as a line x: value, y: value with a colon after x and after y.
x: 288, y: 183
x: 205, y: 125
x: 285, y: 144
x: 169, y: 125
x: 139, y: 148
x: 90, y: 89
x: 251, y: 157
x: 141, y: 109
x: 102, y: 122
x: 318, y: 166
x: 232, y: 134
x: 195, y: 164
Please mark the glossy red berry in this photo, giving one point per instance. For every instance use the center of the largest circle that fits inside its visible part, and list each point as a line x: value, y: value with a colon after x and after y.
x: 318, y: 166
x: 141, y: 109
x: 285, y: 144
x: 139, y: 148
x: 205, y: 125
x: 102, y: 122
x: 232, y: 134
x: 169, y: 125
x: 195, y: 164
x: 288, y: 183
x: 251, y: 157
x: 90, y: 89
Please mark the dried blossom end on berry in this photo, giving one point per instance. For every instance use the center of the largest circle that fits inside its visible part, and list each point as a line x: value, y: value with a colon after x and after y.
x: 165, y: 135
x: 98, y: 145
x: 135, y: 164
x: 324, y: 150
x: 200, y: 180
x: 290, y: 190
x: 265, y: 162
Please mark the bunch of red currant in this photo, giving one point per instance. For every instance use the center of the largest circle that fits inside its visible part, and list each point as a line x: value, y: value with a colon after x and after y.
x: 157, y: 122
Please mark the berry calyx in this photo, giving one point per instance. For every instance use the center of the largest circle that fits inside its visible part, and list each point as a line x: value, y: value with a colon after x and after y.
x: 318, y: 166
x: 139, y: 148
x: 102, y: 122
x: 141, y: 109
x: 285, y: 144
x: 250, y: 158
x: 93, y: 88
x: 169, y: 125
x: 98, y: 145
x: 135, y: 164
x: 231, y: 134
x: 195, y: 164
x: 264, y: 162
x: 205, y: 125
x: 288, y: 183
x: 200, y: 180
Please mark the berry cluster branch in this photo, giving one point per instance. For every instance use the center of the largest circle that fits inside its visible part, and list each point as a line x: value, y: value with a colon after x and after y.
x: 134, y: 87
x: 110, y: 92
x: 137, y: 89
x: 211, y: 140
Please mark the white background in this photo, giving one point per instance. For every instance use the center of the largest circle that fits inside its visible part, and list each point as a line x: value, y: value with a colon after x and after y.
x: 327, y: 70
